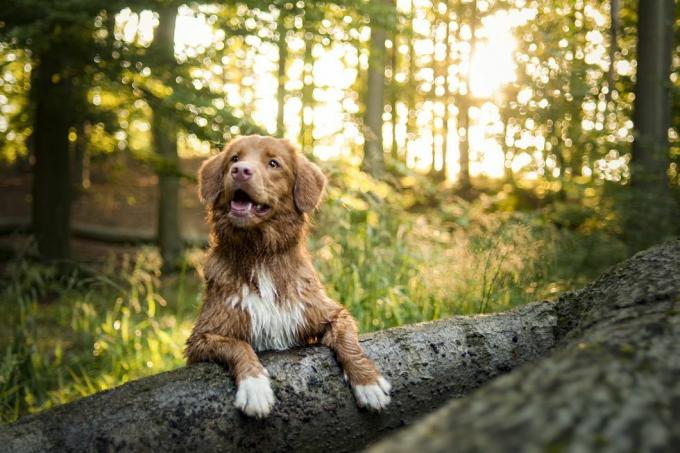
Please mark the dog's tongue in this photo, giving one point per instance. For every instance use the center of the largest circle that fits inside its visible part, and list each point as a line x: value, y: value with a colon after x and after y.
x: 241, y: 206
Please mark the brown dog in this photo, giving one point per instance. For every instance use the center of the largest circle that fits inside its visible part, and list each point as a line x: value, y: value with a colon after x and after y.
x: 262, y: 292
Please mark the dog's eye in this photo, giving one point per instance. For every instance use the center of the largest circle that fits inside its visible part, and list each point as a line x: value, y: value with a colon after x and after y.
x: 274, y: 163
x: 234, y: 158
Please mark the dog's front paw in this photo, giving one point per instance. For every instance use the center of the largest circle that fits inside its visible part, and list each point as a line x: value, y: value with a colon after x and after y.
x: 375, y: 396
x: 254, y: 396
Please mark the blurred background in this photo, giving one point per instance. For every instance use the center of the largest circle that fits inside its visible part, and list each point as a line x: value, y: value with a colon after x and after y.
x: 481, y: 154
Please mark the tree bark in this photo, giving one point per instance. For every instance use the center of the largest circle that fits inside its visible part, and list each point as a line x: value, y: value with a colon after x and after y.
x: 51, y: 206
x: 613, y: 378
x: 164, y: 132
x: 374, y: 155
x: 612, y: 385
x: 650, y: 191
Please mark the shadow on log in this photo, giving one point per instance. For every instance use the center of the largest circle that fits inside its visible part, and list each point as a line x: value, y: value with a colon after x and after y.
x: 612, y: 385
x: 617, y: 341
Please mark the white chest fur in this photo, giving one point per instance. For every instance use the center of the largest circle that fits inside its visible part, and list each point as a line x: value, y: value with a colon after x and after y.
x: 273, y: 325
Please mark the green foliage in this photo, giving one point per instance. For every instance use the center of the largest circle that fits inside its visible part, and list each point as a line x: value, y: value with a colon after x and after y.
x: 73, y: 336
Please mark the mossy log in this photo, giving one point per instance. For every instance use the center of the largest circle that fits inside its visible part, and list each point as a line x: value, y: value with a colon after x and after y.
x: 611, y: 385
x: 629, y: 314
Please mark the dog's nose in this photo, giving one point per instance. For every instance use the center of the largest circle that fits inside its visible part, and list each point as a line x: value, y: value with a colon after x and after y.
x: 241, y: 171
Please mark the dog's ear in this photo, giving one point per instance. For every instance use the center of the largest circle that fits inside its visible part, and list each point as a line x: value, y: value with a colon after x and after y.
x: 309, y: 184
x: 210, y: 179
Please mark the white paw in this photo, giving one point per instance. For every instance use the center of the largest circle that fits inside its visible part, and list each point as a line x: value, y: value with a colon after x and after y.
x: 375, y: 397
x: 254, y: 396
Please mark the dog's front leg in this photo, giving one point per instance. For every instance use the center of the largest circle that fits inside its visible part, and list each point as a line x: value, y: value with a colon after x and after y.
x: 254, y: 395
x: 371, y: 390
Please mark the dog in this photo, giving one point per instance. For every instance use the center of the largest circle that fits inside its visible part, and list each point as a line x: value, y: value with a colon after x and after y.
x: 261, y: 289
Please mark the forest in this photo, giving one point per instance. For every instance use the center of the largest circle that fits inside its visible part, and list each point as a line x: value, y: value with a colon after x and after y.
x: 481, y: 154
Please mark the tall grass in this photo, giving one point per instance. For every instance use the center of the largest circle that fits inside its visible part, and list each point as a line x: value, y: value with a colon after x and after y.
x: 73, y: 336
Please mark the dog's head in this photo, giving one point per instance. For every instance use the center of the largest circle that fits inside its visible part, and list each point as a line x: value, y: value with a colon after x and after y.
x: 260, y: 183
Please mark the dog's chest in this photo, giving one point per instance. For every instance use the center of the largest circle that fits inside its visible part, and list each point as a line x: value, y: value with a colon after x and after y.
x: 273, y: 325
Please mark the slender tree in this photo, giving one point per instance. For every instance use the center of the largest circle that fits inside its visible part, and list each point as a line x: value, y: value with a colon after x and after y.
x: 60, y: 40
x: 447, y: 91
x: 281, y: 72
x: 374, y: 157
x: 412, y: 88
x: 652, y: 213
x: 307, y: 107
x: 51, y: 209
x: 464, y: 103
x: 434, y: 97
x: 394, y: 94
x: 614, y: 8
x: 164, y: 133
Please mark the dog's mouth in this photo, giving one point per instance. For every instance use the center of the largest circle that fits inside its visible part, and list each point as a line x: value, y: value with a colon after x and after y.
x: 243, y: 205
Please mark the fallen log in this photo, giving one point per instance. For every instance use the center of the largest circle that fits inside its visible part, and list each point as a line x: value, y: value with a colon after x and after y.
x: 612, y: 384
x: 191, y: 408
x: 101, y: 233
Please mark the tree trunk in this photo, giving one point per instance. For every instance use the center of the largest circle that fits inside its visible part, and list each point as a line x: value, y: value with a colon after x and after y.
x: 394, y: 95
x: 650, y: 191
x: 433, y: 134
x: 307, y: 108
x: 508, y: 154
x: 374, y: 157
x: 80, y: 176
x: 612, y: 385
x: 164, y: 133
x: 51, y: 208
x: 447, y: 92
x: 464, y: 111
x: 613, y: 47
x: 464, y: 143
x: 614, y: 367
x: 412, y: 114
x: 281, y: 89
x: 436, y: 69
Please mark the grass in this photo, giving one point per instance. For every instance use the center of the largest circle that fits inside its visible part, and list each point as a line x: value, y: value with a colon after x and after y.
x: 69, y: 335
x: 72, y: 336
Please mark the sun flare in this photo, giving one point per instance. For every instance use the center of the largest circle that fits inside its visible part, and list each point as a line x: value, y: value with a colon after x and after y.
x: 334, y: 71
